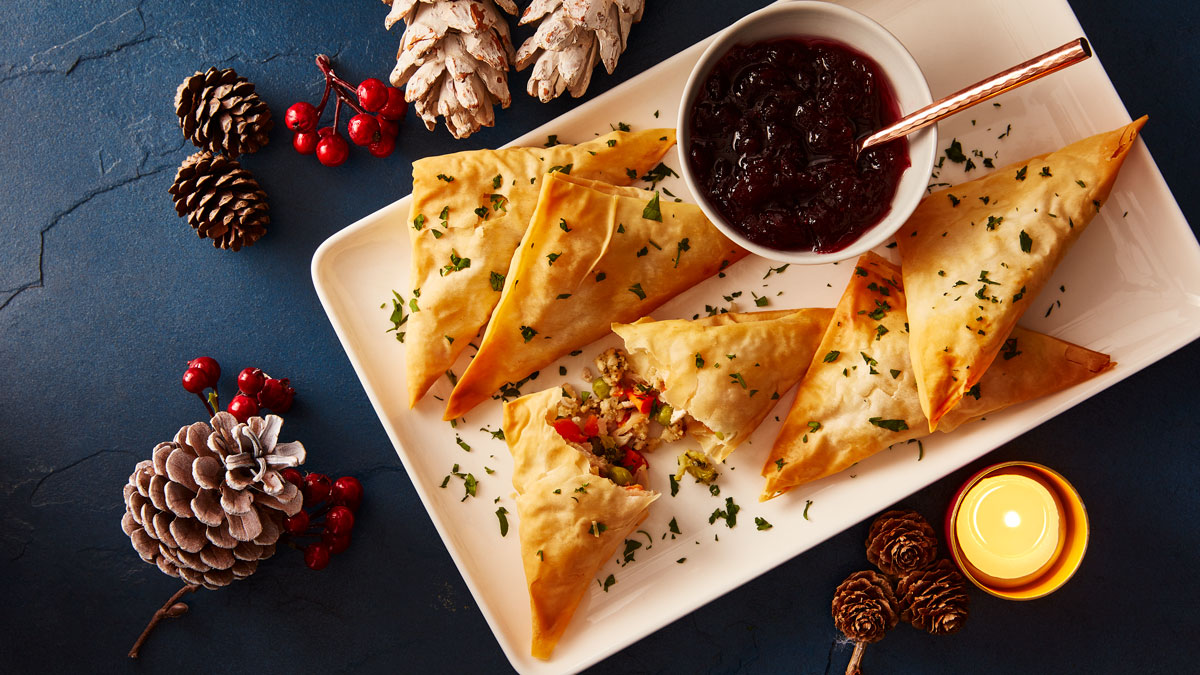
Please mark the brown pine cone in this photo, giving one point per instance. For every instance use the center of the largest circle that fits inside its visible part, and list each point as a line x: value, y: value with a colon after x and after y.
x: 219, y: 111
x: 935, y: 598
x: 221, y: 200
x: 900, y: 542
x: 864, y: 607
x: 211, y: 502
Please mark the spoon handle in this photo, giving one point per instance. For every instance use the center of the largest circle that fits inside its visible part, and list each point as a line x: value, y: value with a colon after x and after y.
x: 1040, y: 66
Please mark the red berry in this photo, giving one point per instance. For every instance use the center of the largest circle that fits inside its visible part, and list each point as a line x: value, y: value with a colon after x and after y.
x: 363, y: 129
x: 383, y: 147
x: 195, y: 380
x: 316, y: 556
x: 210, y: 367
x: 348, y: 492
x: 296, y: 524
x: 251, y: 381
x: 340, y: 520
x: 337, y: 543
x: 277, y: 395
x: 396, y: 106
x: 326, y: 131
x: 316, y: 488
x: 305, y: 142
x: 301, y: 116
x: 333, y: 150
x: 388, y: 127
x: 242, y: 408
x: 372, y: 94
x: 293, y: 476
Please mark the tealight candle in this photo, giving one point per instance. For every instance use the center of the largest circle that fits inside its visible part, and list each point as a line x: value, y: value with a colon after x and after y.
x: 1018, y: 530
x: 1010, y: 528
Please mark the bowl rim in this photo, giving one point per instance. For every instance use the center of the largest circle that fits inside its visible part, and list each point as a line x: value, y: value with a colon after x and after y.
x: 903, y: 203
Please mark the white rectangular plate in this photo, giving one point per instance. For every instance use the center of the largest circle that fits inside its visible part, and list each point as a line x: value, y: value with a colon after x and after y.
x: 1132, y: 288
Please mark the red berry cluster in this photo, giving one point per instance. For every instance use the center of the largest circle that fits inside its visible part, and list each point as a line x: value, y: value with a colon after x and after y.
x: 333, y: 505
x: 378, y: 132
x: 256, y: 391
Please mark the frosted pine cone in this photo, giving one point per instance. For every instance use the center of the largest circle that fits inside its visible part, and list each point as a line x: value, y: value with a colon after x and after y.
x: 453, y: 60
x: 573, y: 36
x: 211, y: 502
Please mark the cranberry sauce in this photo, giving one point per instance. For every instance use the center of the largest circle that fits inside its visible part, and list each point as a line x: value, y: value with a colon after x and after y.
x: 773, y: 133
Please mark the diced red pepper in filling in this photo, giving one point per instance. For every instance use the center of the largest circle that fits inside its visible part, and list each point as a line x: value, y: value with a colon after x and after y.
x: 591, y: 427
x: 569, y: 430
x: 633, y: 460
x: 643, y: 400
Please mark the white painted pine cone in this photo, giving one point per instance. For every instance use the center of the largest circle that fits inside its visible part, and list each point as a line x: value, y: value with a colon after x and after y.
x: 573, y: 36
x: 210, y: 503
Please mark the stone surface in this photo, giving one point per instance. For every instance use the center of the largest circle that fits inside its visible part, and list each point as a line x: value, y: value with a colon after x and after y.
x: 104, y: 293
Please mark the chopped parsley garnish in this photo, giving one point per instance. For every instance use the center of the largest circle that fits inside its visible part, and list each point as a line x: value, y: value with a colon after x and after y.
x: 458, y: 439
x: 983, y: 276
x: 609, y: 582
x: 895, y: 373
x: 652, y: 210
x: 674, y: 487
x: 1020, y: 294
x: 621, y: 126
x: 562, y: 224
x: 398, y: 317
x: 699, y: 361
x: 551, y: 141
x: 457, y: 264
x: 636, y: 289
x: 482, y: 212
x: 973, y: 391
x: 565, y: 168
x: 760, y: 300
x: 1026, y: 242
x: 497, y: 281
x: 631, y: 173
x: 448, y: 179
x: 993, y: 222
x: 673, y: 527
x: 860, y: 271
x: 1021, y: 172
x: 954, y: 153
x: 562, y: 296
x: 631, y: 546
x: 552, y: 257
x: 890, y: 425
x: 596, y: 529
x: 541, y: 556
x: 499, y: 202
x: 779, y: 464
x: 601, y: 276
x: 1010, y: 349
x: 612, y: 142
x: 714, y: 489
x: 682, y: 246
x: 1045, y: 172
x: 954, y: 201
x: 528, y: 333
x: 419, y: 222
x: 658, y: 174
x: 738, y: 379
x: 497, y: 181
x: 761, y: 523
x: 643, y: 251
x: 832, y: 356
x: 501, y: 514
x: 807, y: 503
x: 728, y: 514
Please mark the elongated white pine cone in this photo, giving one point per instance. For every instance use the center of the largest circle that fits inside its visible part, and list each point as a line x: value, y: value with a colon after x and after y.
x: 572, y: 37
x: 453, y: 60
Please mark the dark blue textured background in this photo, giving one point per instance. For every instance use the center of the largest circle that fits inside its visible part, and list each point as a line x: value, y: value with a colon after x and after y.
x: 104, y: 293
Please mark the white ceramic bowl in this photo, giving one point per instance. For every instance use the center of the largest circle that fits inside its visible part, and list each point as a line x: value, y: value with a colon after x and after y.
x: 824, y: 20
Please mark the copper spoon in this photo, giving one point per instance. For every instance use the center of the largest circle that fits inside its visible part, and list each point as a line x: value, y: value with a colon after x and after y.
x: 1040, y: 66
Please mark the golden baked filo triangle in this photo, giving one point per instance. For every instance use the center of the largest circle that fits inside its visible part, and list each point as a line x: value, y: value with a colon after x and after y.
x: 725, y: 371
x: 570, y: 520
x: 976, y: 255
x: 859, y: 396
x: 593, y: 254
x: 469, y: 211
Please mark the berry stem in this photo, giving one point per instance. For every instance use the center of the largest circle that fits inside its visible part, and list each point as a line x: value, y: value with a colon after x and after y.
x: 331, y: 78
x: 324, y: 100
x: 171, y: 610
x: 337, y: 111
x: 211, y: 411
